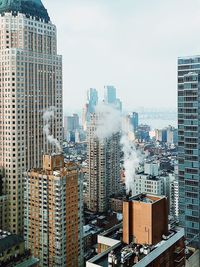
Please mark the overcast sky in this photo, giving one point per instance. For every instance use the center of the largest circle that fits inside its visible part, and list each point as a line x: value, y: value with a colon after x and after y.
x: 132, y: 44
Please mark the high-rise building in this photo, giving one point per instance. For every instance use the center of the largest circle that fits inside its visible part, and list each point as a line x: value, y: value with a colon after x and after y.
x: 174, y: 198
x: 53, y: 213
x: 188, y: 146
x: 134, y: 120
x: 71, y: 124
x: 110, y: 94
x: 172, y: 135
x: 31, y: 82
x: 131, y: 122
x: 110, y: 97
x: 89, y: 107
x: 92, y: 98
x: 103, y: 171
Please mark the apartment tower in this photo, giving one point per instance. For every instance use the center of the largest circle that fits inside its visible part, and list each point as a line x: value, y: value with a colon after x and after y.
x: 103, y: 173
x: 188, y: 146
x: 30, y: 83
x: 53, y: 213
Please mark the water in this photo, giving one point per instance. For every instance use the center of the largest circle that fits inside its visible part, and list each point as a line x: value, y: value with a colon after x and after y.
x: 158, y: 120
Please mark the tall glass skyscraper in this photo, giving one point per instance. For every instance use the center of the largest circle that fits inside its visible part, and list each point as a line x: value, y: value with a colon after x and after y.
x: 30, y: 83
x: 110, y: 94
x: 189, y: 146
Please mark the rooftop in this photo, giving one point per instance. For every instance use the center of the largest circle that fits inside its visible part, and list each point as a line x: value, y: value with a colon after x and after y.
x: 8, y: 240
x: 146, y: 198
x: 32, y: 8
x: 28, y: 263
x: 121, y: 255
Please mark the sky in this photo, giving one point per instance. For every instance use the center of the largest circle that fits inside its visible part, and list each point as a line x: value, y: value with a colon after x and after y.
x: 131, y: 44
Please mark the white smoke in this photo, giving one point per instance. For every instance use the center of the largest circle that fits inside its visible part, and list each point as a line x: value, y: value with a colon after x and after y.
x: 47, y: 117
x: 131, y: 161
x: 110, y: 122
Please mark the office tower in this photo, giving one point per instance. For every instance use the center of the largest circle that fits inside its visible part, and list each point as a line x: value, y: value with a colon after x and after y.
x: 103, y: 171
x: 110, y: 97
x: 110, y: 94
x: 143, y: 239
x: 71, y: 124
x: 92, y: 98
x: 188, y: 147
x: 89, y: 107
x: 134, y: 120
x: 53, y: 213
x: 31, y: 81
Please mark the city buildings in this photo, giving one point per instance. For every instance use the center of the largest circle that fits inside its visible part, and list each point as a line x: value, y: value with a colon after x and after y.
x: 103, y: 167
x: 13, y: 252
x: 161, y: 135
x: 71, y: 125
x: 53, y: 213
x: 167, y: 135
x: 188, y: 147
x: 143, y: 240
x: 31, y: 82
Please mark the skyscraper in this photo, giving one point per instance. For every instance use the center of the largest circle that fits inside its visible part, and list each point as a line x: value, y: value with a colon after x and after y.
x: 110, y: 94
x: 92, y: 98
x: 134, y: 120
x: 188, y: 146
x: 31, y: 82
x: 71, y: 124
x: 53, y: 213
x: 89, y: 107
x: 110, y: 97
x: 103, y: 174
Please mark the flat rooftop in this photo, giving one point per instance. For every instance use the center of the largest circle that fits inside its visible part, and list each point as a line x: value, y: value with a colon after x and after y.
x: 8, y: 240
x: 145, y: 254
x: 146, y: 198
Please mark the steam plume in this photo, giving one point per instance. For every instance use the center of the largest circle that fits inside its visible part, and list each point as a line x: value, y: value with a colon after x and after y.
x: 109, y: 122
x: 131, y: 161
x: 48, y: 116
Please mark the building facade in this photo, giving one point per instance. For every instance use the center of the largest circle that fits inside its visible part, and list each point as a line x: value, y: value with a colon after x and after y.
x: 188, y: 146
x: 148, y: 184
x: 31, y: 82
x: 103, y: 171
x: 53, y: 213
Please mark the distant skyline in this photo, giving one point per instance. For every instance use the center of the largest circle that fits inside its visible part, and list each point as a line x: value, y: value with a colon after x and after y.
x: 131, y: 44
